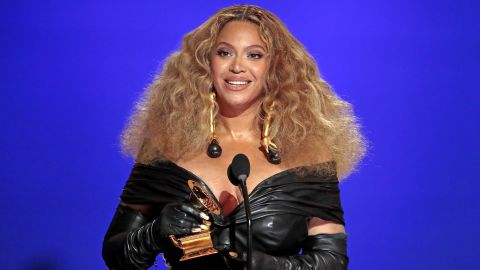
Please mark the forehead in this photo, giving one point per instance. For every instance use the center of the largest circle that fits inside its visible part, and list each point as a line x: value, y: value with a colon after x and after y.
x: 240, y: 33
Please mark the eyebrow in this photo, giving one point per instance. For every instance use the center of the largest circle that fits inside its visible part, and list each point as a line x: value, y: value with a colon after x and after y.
x: 248, y: 47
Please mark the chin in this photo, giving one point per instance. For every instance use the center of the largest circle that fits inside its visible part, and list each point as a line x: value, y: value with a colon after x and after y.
x: 237, y: 104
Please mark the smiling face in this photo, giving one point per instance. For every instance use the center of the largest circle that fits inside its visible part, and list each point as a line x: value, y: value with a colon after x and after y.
x: 238, y: 64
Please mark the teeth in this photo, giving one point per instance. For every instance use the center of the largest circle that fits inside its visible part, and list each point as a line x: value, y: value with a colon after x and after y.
x: 237, y: 82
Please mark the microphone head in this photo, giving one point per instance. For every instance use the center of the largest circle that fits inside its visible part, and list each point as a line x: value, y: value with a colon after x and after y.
x: 239, y: 170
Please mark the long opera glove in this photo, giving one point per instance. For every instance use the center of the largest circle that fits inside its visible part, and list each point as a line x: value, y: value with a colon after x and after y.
x: 321, y: 252
x: 133, y: 241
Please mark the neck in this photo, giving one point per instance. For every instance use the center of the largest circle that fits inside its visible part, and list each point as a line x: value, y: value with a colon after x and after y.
x: 242, y: 126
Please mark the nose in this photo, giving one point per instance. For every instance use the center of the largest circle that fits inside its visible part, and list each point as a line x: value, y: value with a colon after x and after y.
x: 237, y: 65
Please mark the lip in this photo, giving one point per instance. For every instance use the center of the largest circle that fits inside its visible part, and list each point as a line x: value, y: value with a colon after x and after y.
x: 237, y: 87
x: 236, y: 78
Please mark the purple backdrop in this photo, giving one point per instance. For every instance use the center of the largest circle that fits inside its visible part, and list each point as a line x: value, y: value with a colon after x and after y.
x: 72, y: 70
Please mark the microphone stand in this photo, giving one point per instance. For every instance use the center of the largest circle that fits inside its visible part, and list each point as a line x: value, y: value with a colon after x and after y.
x: 237, y: 173
x: 246, y: 204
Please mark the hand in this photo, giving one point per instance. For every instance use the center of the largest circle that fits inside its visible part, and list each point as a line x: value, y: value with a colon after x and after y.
x: 260, y: 261
x: 220, y: 238
x: 143, y: 240
x: 321, y: 251
x: 179, y: 219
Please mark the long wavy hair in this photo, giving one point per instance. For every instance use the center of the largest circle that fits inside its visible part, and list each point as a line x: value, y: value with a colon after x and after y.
x: 171, y: 121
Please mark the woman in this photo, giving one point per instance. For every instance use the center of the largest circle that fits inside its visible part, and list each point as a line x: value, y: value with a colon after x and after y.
x: 241, y: 83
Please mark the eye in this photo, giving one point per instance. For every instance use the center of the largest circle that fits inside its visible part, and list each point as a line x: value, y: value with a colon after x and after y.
x: 255, y: 55
x: 223, y: 53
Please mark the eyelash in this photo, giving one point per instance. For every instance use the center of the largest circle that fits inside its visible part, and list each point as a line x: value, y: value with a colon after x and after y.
x: 223, y: 53
x: 256, y: 55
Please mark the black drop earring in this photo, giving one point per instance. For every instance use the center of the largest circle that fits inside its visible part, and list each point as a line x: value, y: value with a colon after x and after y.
x: 273, y: 156
x: 214, y: 150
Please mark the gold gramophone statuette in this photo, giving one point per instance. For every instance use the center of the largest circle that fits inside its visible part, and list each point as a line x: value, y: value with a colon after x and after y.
x: 198, y: 244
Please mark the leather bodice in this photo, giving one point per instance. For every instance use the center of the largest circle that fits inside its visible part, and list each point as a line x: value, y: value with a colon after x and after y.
x: 281, y: 206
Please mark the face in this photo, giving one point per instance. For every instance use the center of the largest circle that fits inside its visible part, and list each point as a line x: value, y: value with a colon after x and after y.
x: 238, y: 64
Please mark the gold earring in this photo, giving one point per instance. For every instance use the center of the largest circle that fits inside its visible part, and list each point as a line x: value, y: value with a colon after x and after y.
x: 271, y: 149
x: 214, y: 150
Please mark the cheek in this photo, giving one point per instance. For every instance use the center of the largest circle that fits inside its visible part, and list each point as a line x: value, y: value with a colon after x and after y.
x: 260, y: 71
x: 218, y: 67
x: 214, y: 68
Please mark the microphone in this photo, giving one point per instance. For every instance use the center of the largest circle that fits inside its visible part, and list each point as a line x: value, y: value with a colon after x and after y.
x: 238, y: 173
x: 239, y: 170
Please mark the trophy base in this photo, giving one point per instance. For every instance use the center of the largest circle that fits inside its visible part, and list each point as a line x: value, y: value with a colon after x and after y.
x: 195, y: 245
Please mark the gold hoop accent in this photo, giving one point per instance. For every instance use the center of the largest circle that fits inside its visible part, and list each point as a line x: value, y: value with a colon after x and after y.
x: 266, y: 141
x: 212, y: 116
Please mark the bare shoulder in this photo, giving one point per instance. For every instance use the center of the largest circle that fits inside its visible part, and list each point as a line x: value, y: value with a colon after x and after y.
x: 317, y: 225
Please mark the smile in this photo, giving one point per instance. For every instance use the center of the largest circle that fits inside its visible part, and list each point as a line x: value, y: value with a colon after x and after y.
x: 238, y: 82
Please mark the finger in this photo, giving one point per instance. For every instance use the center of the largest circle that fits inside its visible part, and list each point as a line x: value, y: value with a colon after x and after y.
x: 190, y: 222
x: 184, y: 227
x: 199, y: 215
x: 182, y: 216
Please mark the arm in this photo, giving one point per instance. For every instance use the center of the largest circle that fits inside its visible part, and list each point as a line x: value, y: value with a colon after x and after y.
x: 117, y: 252
x: 324, y: 249
x: 133, y: 240
x: 321, y: 252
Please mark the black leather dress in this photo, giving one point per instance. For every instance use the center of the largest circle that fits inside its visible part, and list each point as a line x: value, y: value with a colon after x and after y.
x: 281, y: 207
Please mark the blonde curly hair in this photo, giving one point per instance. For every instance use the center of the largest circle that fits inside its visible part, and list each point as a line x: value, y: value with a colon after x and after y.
x: 171, y: 121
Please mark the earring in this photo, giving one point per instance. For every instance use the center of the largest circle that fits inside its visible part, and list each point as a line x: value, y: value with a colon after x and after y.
x: 271, y: 149
x: 214, y: 150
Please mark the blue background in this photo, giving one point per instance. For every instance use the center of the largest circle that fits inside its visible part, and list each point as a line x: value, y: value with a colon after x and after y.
x: 71, y: 72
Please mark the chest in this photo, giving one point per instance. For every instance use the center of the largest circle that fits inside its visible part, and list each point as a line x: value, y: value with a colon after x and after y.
x: 214, y: 173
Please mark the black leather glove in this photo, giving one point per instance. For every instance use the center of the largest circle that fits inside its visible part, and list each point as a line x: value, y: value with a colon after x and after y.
x: 132, y: 242
x: 179, y: 219
x: 219, y: 233
x: 321, y: 251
